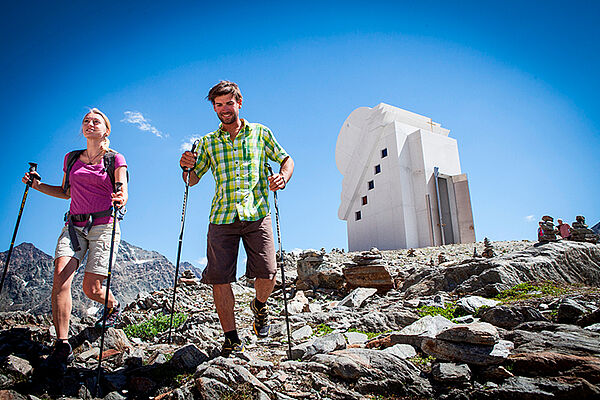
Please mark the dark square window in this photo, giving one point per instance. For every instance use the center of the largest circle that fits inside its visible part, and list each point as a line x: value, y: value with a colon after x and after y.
x: 358, y: 216
x: 377, y: 168
x: 364, y: 200
x: 371, y: 185
x: 384, y: 153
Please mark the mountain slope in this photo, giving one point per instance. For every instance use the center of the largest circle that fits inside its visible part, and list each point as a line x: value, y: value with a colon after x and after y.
x: 28, y: 282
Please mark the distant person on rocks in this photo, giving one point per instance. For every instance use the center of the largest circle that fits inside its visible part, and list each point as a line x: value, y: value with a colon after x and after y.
x: 88, y: 182
x: 564, y: 229
x: 540, y: 232
x: 236, y: 154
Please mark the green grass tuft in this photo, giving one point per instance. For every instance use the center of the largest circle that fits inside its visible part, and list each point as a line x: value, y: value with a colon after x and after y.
x: 155, y: 325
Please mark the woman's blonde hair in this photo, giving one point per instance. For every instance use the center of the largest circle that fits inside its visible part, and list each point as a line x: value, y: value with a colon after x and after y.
x: 106, y: 141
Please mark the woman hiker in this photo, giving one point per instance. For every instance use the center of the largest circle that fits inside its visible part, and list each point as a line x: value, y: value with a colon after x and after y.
x: 89, y: 180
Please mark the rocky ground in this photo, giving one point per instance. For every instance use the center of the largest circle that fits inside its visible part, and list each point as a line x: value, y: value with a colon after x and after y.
x: 373, y: 325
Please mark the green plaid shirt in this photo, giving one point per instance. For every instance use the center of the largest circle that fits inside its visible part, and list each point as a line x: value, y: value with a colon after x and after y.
x: 242, y: 188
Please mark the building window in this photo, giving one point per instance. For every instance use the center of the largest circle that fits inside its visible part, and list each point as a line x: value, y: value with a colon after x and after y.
x: 371, y: 185
x: 358, y: 216
x: 364, y: 200
x: 377, y: 169
x: 384, y: 153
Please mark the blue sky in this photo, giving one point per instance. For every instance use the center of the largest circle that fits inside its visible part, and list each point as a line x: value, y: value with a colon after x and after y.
x: 515, y: 82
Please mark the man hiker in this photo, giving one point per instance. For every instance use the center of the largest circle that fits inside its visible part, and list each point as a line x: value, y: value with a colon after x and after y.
x: 236, y: 154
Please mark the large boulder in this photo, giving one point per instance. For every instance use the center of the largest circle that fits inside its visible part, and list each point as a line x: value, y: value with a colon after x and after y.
x: 561, y: 262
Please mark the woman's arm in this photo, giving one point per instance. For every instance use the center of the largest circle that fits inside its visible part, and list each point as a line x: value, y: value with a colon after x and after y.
x: 50, y: 190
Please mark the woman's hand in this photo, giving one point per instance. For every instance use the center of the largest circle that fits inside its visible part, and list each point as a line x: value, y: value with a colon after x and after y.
x: 119, y: 199
x: 35, y: 183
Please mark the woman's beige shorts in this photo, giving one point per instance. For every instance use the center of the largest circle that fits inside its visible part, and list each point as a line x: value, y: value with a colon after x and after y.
x: 97, y: 241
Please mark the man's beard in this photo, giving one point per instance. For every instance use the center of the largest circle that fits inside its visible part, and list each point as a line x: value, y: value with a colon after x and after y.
x: 229, y: 120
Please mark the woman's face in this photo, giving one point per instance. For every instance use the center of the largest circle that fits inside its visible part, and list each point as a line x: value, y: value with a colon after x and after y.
x: 93, y: 126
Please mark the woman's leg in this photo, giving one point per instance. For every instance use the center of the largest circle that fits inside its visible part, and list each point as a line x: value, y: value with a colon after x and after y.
x: 93, y: 289
x: 62, y: 302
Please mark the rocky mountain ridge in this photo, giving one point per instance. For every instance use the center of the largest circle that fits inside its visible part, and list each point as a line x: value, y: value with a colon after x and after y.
x: 422, y: 334
x: 29, y: 279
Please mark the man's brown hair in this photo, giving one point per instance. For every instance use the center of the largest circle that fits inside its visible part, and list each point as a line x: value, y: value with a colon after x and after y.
x: 224, y: 88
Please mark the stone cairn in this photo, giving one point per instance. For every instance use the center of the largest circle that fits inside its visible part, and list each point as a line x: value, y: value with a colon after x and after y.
x: 581, y: 233
x: 548, y: 230
x: 488, y: 249
x: 368, y: 269
x: 411, y: 253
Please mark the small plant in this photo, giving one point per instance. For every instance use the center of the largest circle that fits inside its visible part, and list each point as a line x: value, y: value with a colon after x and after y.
x: 370, y: 335
x: 323, y: 329
x: 423, y: 363
x: 528, y: 290
x: 182, y: 378
x: 155, y: 325
x: 448, y: 311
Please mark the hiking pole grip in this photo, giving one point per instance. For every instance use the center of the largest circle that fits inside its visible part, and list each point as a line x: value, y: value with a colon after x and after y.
x: 33, y: 174
x: 193, y: 150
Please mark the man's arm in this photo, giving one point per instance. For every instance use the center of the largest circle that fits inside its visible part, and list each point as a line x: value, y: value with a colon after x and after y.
x: 280, y: 180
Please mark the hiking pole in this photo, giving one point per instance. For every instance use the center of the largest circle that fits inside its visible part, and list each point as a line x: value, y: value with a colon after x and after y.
x: 32, y: 175
x: 287, y: 318
x: 110, y: 261
x: 185, y: 195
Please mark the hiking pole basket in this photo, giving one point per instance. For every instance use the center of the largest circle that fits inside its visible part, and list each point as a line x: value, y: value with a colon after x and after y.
x: 32, y: 175
x: 185, y: 196
x: 280, y: 262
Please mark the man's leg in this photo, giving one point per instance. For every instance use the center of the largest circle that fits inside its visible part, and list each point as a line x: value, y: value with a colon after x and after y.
x: 224, y: 303
x: 264, y: 288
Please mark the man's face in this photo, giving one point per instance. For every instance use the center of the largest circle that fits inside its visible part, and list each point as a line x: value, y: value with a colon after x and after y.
x: 227, y: 108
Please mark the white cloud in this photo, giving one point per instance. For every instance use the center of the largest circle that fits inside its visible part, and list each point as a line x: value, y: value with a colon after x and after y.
x: 529, y: 218
x: 187, y: 145
x: 136, y: 118
x: 203, y: 261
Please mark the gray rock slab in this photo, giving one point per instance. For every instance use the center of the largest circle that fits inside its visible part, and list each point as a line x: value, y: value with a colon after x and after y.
x: 451, y: 372
x: 427, y: 327
x: 520, y: 387
x: 403, y: 351
x: 357, y: 297
x: 326, y: 344
x: 188, y: 358
x: 470, y: 304
x: 374, y: 370
x: 593, y: 328
x: 466, y: 352
x: 569, y: 311
x: 356, y: 337
x: 212, y: 389
x: 508, y: 317
x: 18, y: 366
x: 481, y: 333
x: 302, y: 333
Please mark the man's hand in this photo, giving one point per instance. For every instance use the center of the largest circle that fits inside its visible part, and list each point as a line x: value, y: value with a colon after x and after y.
x: 188, y: 160
x: 276, y: 182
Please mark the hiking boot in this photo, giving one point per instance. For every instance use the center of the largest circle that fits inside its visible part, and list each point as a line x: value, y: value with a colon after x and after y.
x: 112, y: 316
x: 62, y: 354
x: 261, y: 320
x: 229, y: 348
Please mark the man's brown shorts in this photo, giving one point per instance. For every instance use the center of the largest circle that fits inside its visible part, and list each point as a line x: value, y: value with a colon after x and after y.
x: 223, y: 242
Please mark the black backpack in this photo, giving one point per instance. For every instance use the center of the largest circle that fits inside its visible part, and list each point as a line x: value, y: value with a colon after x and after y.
x: 109, y: 166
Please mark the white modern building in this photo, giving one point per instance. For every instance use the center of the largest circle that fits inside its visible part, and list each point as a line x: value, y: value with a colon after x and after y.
x: 402, y: 184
